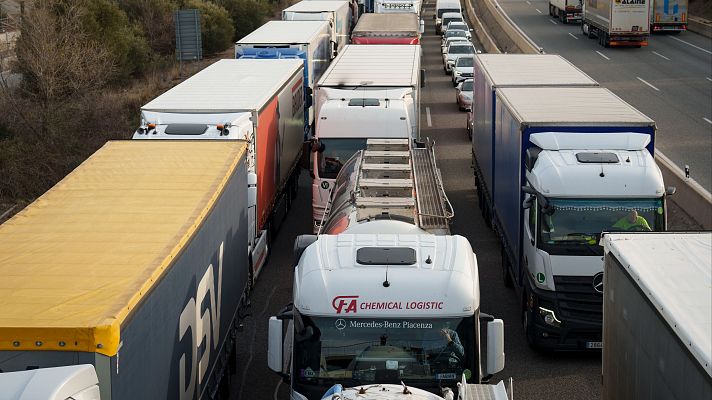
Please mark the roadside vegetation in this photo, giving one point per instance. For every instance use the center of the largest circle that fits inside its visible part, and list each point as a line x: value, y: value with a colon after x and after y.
x: 82, y: 70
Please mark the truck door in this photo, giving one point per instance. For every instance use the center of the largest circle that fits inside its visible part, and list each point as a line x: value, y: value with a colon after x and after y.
x: 528, y: 244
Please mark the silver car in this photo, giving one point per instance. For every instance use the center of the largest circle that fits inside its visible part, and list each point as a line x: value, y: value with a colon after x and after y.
x: 452, y: 34
x: 464, y: 95
x: 459, y: 26
x: 455, y: 50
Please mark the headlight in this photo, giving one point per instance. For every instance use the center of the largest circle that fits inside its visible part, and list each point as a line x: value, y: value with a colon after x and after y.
x: 549, y: 317
x: 451, y: 62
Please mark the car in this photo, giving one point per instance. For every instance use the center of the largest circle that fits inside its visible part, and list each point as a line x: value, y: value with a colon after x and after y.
x: 453, y: 39
x: 452, y: 33
x: 450, y: 17
x: 455, y: 50
x: 459, y: 26
x: 463, y: 69
x: 464, y: 95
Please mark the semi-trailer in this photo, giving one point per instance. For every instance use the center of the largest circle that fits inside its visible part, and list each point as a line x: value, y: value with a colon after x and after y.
x: 397, y: 6
x: 136, y: 264
x: 668, y: 16
x: 367, y: 92
x: 307, y: 40
x: 617, y: 22
x: 560, y: 179
x: 401, y: 28
x: 385, y: 295
x: 566, y: 10
x: 337, y: 12
x: 657, y: 316
x: 260, y: 102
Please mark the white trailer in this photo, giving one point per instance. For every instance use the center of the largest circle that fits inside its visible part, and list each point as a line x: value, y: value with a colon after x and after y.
x: 397, y: 6
x: 338, y: 13
x: 565, y: 10
x: 617, y: 22
x: 657, y: 316
x: 368, y: 92
x: 307, y: 40
x: 258, y: 101
x: 668, y: 16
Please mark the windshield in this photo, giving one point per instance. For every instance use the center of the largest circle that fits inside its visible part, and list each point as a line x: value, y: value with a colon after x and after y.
x: 447, y: 10
x: 336, y: 152
x: 460, y: 50
x: 447, y: 21
x: 465, y: 62
x: 575, y: 225
x: 467, y: 86
x: 455, y: 33
x: 362, y: 351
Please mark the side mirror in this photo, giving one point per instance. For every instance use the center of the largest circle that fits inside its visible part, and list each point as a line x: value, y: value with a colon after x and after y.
x: 670, y: 190
x: 422, y: 26
x: 495, y: 346
x: 274, y: 345
x: 434, y: 16
x: 334, y: 49
x: 308, y: 97
x: 305, y: 161
x: 528, y: 202
x: 422, y: 78
x: 317, y: 146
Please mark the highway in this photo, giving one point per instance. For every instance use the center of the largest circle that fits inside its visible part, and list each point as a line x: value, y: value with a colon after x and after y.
x: 670, y: 80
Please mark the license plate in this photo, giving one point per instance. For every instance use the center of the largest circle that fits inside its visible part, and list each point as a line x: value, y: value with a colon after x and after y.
x: 594, y: 345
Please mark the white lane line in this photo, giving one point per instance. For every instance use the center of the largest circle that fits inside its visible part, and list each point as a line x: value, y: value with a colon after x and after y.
x: 690, y: 44
x: 709, y: 79
x: 553, y: 22
x: 427, y: 116
x: 643, y: 80
x: 708, y: 121
x: 603, y: 55
x: 537, y: 10
x: 660, y: 55
x: 573, y: 36
x: 528, y: 2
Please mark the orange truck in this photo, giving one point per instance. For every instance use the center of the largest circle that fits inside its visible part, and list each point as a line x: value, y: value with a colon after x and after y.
x: 260, y: 102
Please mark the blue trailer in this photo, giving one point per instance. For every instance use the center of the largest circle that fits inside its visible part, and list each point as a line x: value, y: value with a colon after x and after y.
x: 306, y: 40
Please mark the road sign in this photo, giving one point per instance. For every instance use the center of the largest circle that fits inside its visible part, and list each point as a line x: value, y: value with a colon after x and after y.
x: 189, y: 46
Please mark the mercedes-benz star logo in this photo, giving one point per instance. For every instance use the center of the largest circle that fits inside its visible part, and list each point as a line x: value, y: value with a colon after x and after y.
x: 598, y: 282
x: 340, y: 324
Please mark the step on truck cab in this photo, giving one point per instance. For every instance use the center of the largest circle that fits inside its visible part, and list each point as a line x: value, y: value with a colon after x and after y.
x: 260, y: 102
x: 134, y: 263
x: 338, y: 13
x: 401, y: 28
x: 657, y: 320
x: 309, y: 41
x: 617, y: 22
x: 367, y: 92
x: 560, y: 179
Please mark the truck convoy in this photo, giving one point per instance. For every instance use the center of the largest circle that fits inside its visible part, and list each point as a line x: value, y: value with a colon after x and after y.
x: 367, y: 92
x: 307, y: 40
x: 258, y: 101
x: 403, y: 28
x: 566, y: 10
x: 617, y: 22
x: 136, y: 264
x: 668, y: 16
x: 337, y: 12
x: 657, y: 313
x: 384, y: 300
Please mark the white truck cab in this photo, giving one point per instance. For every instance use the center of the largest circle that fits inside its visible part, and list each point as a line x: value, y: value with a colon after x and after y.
x: 75, y: 382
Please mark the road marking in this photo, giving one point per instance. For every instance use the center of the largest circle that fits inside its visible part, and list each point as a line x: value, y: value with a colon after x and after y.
x: 573, y: 36
x: 603, y: 55
x: 690, y: 44
x: 537, y: 10
x: 660, y: 55
x: 709, y: 79
x: 529, y: 3
x: 427, y: 116
x: 643, y: 80
x: 553, y: 22
x: 708, y: 121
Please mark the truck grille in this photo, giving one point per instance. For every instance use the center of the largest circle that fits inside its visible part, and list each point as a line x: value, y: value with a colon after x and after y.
x: 577, y: 298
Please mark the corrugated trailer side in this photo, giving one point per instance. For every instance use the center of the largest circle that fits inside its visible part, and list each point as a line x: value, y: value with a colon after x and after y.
x: 136, y: 263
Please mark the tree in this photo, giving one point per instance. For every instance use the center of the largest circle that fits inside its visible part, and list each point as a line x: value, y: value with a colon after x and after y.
x: 155, y: 18
x: 247, y: 15
x: 215, y: 25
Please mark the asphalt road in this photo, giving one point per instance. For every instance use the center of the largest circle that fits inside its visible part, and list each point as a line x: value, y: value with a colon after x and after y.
x: 536, y: 376
x: 670, y: 80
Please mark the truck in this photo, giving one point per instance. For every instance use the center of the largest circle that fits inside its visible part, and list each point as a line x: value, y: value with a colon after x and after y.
x: 338, y: 13
x: 442, y: 7
x: 617, y: 22
x: 73, y: 382
x: 401, y: 28
x: 466, y: 391
x: 560, y: 179
x: 565, y: 10
x: 668, y: 16
x: 386, y: 295
x: 257, y: 101
x: 306, y: 40
x: 136, y: 264
x: 367, y: 92
x: 657, y: 328
x: 397, y: 6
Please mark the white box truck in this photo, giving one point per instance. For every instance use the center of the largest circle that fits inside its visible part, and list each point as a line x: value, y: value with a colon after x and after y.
x: 384, y: 300
x: 260, y: 102
x: 368, y: 92
x: 306, y: 40
x: 337, y: 12
x: 560, y: 179
x: 565, y: 10
x: 657, y: 316
x: 397, y: 6
x: 668, y: 16
x: 617, y: 22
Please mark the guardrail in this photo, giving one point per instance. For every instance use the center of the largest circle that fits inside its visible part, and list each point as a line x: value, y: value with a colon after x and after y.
x: 487, y: 42
x: 699, y: 25
x: 691, y: 197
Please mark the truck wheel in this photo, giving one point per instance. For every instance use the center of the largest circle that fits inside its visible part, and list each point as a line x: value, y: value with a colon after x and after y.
x: 551, y: 11
x: 563, y: 18
x: 506, y: 276
x: 528, y: 323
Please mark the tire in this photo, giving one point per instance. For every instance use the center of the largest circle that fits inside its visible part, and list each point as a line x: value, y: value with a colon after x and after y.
x: 551, y: 11
x: 527, y: 323
x: 506, y: 276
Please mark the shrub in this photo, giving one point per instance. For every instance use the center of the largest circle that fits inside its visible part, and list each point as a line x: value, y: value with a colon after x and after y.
x: 215, y: 24
x: 247, y: 15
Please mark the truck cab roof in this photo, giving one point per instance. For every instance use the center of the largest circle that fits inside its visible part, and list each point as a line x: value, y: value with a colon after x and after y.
x: 444, y: 275
x: 374, y: 66
x: 531, y: 70
x: 285, y: 32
